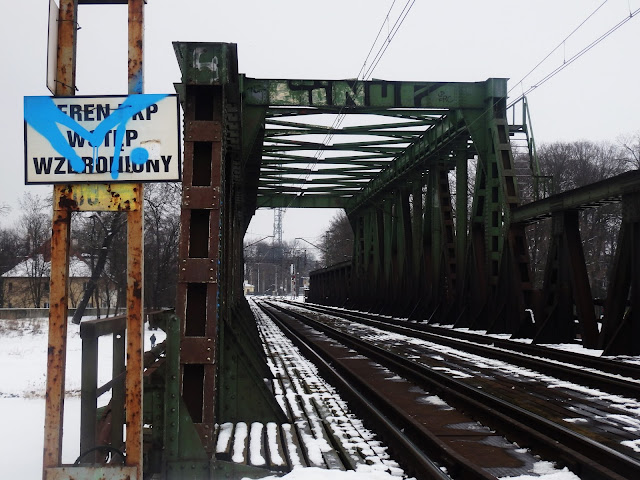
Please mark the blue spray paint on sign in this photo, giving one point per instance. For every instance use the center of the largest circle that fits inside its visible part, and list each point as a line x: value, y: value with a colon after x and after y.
x: 42, y: 114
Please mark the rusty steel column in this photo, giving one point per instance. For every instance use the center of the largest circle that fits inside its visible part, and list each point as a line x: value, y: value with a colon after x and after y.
x: 198, y: 295
x: 61, y: 229
x: 135, y: 260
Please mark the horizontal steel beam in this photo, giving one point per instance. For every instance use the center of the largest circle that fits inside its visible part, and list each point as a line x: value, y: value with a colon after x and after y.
x: 102, y: 326
x: 439, y: 136
x: 588, y: 196
x: 415, y: 114
x: 370, y: 160
x: 371, y: 93
x: 298, y: 201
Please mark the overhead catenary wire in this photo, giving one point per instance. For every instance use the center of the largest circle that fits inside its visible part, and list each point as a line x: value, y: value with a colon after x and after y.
x: 363, y: 75
x: 575, y: 57
x: 561, y: 44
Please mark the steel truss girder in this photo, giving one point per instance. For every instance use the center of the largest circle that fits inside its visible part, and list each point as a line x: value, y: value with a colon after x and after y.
x: 417, y: 105
x: 621, y: 328
x: 413, y: 114
x: 566, y: 283
x: 431, y: 145
x: 370, y: 94
x: 605, y: 191
x: 283, y: 200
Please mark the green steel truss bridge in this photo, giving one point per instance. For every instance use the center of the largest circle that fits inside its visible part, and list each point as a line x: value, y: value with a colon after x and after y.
x: 427, y: 176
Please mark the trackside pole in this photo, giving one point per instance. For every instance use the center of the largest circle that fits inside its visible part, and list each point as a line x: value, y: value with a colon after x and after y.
x: 135, y: 260
x: 60, y: 232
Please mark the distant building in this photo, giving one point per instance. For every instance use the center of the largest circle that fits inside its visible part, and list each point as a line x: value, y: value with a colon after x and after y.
x: 248, y: 288
x: 27, y: 284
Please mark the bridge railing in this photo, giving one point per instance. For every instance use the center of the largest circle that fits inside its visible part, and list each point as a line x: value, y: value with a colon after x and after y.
x: 101, y: 430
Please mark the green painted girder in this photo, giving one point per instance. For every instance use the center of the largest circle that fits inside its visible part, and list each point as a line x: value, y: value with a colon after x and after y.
x: 380, y: 159
x: 301, y: 201
x: 415, y: 114
x: 274, y: 169
x: 356, y: 128
x: 308, y: 129
x: 329, y: 191
x: 302, y: 126
x: 404, y: 134
x: 382, y: 152
x: 295, y: 187
x: 285, y: 143
x: 350, y: 179
x: 609, y: 190
x: 371, y: 93
x: 274, y: 180
x: 434, y: 139
x: 317, y: 181
x: 387, y: 151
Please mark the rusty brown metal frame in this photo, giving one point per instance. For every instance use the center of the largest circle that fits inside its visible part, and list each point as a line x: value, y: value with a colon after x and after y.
x: 198, y: 252
x: 65, y: 203
x: 60, y: 233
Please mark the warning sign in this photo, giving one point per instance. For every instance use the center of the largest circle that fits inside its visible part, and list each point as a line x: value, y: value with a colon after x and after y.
x: 108, y: 139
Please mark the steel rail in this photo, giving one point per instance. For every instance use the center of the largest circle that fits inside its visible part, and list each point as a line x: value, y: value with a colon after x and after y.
x: 586, y: 457
x: 420, y: 464
x: 571, y: 367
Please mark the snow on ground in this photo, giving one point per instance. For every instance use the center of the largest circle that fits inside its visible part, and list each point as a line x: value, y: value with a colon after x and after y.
x: 23, y: 366
x: 23, y: 356
x: 541, y: 471
x: 314, y: 473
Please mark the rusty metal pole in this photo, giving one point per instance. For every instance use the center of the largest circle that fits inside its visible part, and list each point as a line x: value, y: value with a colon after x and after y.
x: 135, y: 260
x: 61, y: 230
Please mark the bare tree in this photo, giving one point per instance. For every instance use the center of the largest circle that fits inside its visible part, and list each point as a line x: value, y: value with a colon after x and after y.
x: 572, y: 165
x: 337, y: 243
x: 34, y: 226
x: 98, y: 233
x: 162, y: 233
x: 11, y: 251
x: 630, y: 145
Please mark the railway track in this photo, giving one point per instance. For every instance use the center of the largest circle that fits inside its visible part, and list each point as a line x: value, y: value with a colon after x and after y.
x: 603, y: 373
x: 468, y: 420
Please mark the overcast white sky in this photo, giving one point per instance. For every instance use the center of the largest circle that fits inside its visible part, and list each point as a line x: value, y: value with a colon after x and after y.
x: 595, y: 98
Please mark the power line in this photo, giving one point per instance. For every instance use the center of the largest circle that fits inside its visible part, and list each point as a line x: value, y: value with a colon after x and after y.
x: 339, y: 119
x: 572, y: 59
x: 563, y: 42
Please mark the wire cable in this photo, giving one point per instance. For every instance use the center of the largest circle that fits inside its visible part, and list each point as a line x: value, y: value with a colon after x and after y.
x: 340, y: 117
x: 575, y: 57
x: 563, y: 42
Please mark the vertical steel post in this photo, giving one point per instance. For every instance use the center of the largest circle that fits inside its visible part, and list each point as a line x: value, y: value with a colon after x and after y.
x: 60, y: 233
x: 135, y: 258
x: 118, y: 391
x: 89, y: 400
x: 462, y: 199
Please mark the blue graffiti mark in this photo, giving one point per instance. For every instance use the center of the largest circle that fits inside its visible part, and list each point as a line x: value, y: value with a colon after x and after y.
x: 44, y: 116
x: 139, y: 155
x: 136, y: 82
